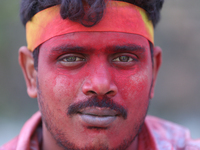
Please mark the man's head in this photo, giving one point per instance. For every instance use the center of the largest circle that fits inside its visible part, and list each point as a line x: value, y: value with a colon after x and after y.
x: 93, y: 88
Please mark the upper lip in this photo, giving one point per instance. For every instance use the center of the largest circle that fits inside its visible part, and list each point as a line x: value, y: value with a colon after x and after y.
x: 97, y: 111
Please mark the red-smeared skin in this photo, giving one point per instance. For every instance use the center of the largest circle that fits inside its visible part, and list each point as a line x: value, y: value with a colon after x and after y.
x: 61, y: 86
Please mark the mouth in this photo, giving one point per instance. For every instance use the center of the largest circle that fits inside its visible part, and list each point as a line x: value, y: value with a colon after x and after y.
x: 96, y: 117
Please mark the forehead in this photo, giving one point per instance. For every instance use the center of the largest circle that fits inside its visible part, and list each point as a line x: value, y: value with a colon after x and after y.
x: 96, y: 40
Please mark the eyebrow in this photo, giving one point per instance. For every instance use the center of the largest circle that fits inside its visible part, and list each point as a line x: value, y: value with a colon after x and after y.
x: 127, y: 48
x: 69, y: 48
x: 114, y: 48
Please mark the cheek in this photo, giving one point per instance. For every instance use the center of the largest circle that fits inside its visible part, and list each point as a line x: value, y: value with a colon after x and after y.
x: 66, y: 88
x: 135, y: 95
x: 59, y: 89
x: 135, y: 87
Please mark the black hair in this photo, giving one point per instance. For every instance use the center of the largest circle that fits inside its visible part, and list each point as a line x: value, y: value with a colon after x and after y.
x: 74, y: 10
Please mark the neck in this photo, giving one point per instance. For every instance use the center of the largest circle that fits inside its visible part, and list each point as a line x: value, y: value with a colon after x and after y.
x: 134, y: 145
x: 48, y: 142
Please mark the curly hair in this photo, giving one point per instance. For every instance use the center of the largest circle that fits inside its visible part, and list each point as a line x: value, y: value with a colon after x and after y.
x: 74, y: 10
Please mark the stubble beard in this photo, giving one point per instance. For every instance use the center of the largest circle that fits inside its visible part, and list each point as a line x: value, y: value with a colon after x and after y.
x: 63, y: 142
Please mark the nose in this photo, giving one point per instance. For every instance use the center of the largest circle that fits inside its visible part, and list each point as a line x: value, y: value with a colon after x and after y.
x: 100, y: 83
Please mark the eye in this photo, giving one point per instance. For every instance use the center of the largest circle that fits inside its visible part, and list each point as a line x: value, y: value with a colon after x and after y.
x: 71, y: 60
x: 123, y: 58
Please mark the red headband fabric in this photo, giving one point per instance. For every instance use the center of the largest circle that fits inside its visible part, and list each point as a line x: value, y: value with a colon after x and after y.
x: 118, y: 17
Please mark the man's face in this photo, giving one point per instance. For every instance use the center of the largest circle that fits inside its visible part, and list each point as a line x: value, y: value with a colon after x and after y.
x: 94, y: 87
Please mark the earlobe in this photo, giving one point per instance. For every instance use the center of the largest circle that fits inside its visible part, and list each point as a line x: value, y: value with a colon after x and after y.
x: 157, y: 60
x: 27, y: 65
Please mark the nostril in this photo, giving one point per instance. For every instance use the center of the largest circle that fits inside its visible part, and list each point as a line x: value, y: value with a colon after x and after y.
x: 92, y: 92
x: 109, y: 92
x: 99, y: 86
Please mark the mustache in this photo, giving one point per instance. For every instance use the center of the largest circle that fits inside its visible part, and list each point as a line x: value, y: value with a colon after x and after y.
x: 104, y: 102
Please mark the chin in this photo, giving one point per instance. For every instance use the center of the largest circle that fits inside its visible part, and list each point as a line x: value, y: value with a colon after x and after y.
x: 98, y: 142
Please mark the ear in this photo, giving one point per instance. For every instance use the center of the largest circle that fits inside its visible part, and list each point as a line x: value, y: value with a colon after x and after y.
x: 157, y: 61
x: 27, y: 65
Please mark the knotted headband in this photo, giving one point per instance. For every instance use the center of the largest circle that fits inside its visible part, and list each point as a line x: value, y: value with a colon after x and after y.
x: 118, y: 17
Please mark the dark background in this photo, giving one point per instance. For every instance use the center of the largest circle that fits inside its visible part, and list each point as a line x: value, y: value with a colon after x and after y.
x: 177, y: 94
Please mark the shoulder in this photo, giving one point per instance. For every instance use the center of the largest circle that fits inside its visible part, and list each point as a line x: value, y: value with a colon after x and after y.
x: 11, y: 145
x: 30, y: 135
x: 168, y: 135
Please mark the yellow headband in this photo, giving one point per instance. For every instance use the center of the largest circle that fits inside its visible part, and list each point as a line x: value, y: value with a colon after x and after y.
x: 118, y: 17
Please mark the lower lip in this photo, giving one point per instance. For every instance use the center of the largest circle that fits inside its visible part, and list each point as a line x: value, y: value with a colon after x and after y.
x: 97, y: 121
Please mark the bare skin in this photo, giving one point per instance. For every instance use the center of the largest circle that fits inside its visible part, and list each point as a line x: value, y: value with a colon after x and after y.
x: 79, y: 67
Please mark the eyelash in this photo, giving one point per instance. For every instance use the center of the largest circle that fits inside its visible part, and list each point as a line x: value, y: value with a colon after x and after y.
x: 76, y: 59
x: 120, y: 58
